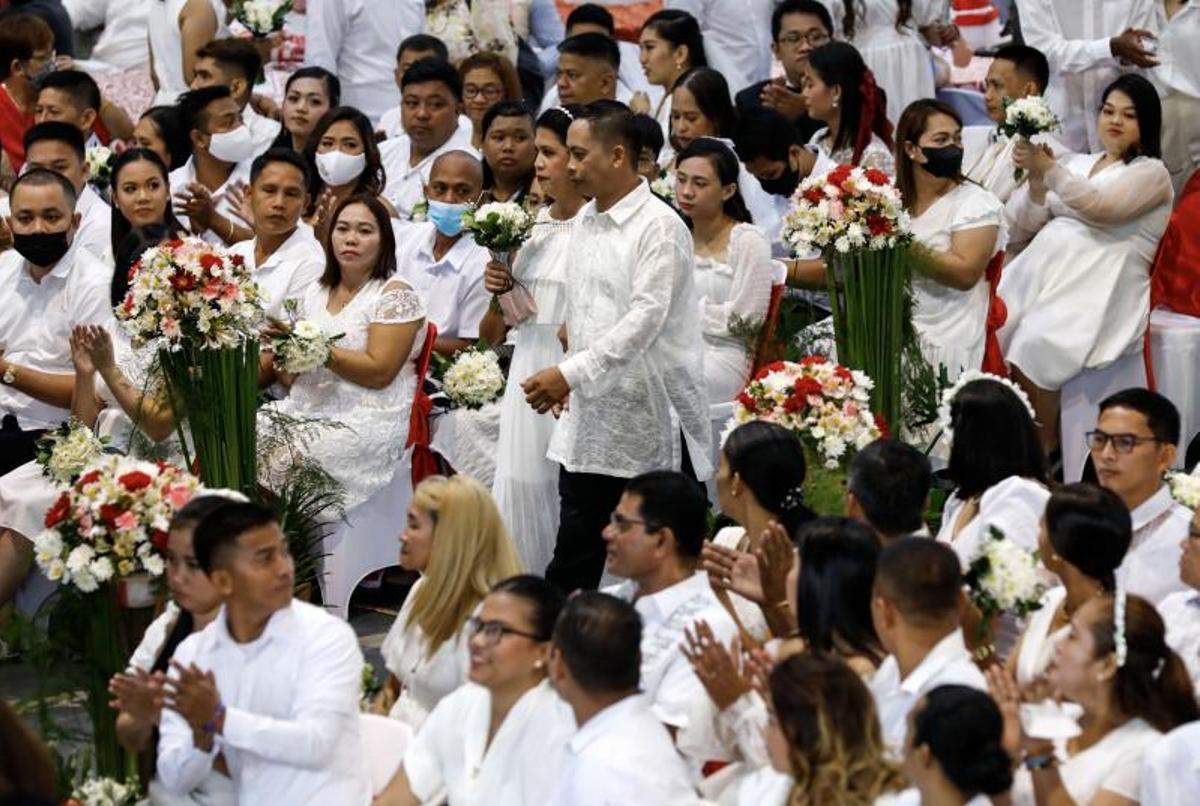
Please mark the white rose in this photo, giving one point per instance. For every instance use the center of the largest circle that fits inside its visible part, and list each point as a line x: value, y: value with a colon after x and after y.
x: 49, y: 543
x: 307, y: 329
x: 153, y: 565
x: 84, y: 581
x: 79, y: 559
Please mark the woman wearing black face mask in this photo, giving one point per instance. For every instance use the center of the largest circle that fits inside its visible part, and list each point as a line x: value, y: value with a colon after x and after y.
x: 962, y: 226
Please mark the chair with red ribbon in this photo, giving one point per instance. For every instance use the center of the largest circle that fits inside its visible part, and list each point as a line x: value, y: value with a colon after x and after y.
x: 993, y: 359
x: 423, y: 462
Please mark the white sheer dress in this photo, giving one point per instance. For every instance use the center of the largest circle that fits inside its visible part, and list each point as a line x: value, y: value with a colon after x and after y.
x: 526, y: 483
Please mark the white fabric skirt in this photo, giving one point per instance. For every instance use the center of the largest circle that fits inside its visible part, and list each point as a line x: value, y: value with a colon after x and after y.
x: 526, y: 483
x: 25, y: 495
x: 901, y: 64
x: 726, y: 369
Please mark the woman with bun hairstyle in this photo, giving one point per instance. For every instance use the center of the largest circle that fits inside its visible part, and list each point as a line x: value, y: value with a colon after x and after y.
x: 953, y: 755
x: 841, y: 92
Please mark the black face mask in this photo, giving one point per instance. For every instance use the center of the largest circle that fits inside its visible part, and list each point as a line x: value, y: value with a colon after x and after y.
x: 783, y: 185
x: 945, y: 162
x: 41, y: 248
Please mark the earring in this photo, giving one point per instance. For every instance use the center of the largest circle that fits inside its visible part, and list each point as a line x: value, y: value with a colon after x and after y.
x: 539, y: 665
x: 835, y: 103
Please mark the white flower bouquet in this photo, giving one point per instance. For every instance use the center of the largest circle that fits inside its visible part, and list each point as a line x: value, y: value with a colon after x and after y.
x: 664, y: 187
x: 66, y: 451
x: 1003, y: 578
x: 262, y: 17
x: 99, y: 161
x: 112, y: 522
x: 104, y: 792
x: 305, y: 348
x: 499, y: 227
x: 1185, y: 488
x: 474, y: 379
x: 847, y: 209
x: 1026, y: 117
x: 191, y: 290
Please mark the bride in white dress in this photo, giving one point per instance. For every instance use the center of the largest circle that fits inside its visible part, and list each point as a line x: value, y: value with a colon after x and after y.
x: 733, y: 263
x: 1078, y: 295
x: 526, y: 482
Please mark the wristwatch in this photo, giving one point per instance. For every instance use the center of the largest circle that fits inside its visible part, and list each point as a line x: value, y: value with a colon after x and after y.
x: 1040, y: 762
x: 10, y: 374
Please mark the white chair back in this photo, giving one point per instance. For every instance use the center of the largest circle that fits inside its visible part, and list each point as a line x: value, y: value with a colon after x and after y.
x: 385, y: 741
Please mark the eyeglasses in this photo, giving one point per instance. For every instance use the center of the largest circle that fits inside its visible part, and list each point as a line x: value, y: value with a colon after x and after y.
x: 814, y: 38
x: 489, y: 93
x: 493, y: 631
x: 1122, y: 443
x: 622, y: 524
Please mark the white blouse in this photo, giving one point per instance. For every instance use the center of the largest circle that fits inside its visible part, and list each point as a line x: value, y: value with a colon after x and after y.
x: 1038, y: 643
x: 424, y: 679
x: 1180, y: 612
x: 1014, y: 506
x: 875, y: 155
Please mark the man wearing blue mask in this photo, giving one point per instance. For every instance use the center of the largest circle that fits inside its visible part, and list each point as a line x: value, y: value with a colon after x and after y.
x: 437, y: 260
x: 222, y: 147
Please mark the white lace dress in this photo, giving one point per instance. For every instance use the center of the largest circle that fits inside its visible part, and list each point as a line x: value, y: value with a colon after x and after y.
x: 526, y: 482
x: 734, y: 296
x: 368, y: 427
x: 875, y: 155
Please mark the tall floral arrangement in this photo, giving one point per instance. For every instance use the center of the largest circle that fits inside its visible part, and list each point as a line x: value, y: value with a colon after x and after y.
x: 827, y: 405
x: 855, y: 218
x: 200, y: 306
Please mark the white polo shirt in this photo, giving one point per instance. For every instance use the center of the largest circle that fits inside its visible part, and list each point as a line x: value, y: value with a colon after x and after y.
x: 185, y: 175
x: 406, y: 182
x: 289, y: 271
x: 1151, y: 566
x: 36, y: 321
x: 452, y: 288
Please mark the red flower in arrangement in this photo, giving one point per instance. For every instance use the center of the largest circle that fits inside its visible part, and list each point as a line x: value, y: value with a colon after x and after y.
x: 839, y: 175
x: 878, y: 225
x: 795, y: 403
x: 211, y: 262
x: 882, y: 425
x: 877, y: 177
x: 813, y: 196
x: 812, y: 360
x: 135, y: 481
x: 843, y: 373
x: 127, y: 306
x: 776, y: 366
x: 110, y: 512
x: 58, y: 513
x: 87, y: 478
x: 183, y: 281
x: 134, y: 269
x: 805, y: 387
x: 159, y: 538
x: 237, y: 260
x: 174, y: 244
x: 746, y: 400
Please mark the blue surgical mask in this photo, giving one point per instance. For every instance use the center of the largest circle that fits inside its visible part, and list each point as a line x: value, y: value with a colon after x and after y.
x: 447, y: 217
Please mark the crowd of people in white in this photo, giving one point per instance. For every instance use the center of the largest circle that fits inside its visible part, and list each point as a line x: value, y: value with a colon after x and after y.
x: 789, y: 658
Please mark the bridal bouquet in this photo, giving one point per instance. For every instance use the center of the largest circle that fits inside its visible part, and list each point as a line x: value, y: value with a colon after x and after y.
x: 99, y: 161
x: 474, y: 379
x: 664, y: 187
x: 499, y: 227
x: 1003, y: 578
x: 305, y: 348
x: 190, y: 290
x: 112, y: 522
x: 846, y: 209
x: 1185, y: 488
x: 1025, y: 117
x: 66, y: 451
x: 262, y: 17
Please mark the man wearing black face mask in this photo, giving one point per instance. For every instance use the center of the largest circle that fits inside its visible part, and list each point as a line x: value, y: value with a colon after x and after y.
x: 49, y: 286
x: 772, y: 152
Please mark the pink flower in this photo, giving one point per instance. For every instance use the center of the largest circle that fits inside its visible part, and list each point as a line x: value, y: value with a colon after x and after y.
x: 170, y: 327
x: 836, y: 209
x: 178, y: 496
x: 126, y: 521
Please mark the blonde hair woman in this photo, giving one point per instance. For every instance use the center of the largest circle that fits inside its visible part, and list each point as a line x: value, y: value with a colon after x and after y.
x: 456, y: 540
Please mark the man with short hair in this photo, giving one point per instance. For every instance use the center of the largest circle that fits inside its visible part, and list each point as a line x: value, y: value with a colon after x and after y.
x: 284, y: 256
x: 1017, y: 71
x: 440, y: 262
x: 272, y: 684
x: 356, y: 40
x: 621, y: 753
x: 595, y: 19
x: 430, y: 104
x: 633, y: 373
x: 59, y: 147
x: 235, y: 63
x: 653, y: 540
x: 798, y: 27
x: 1133, y: 445
x: 772, y: 151
x: 887, y: 488
x: 412, y: 50
x: 222, y: 148
x: 916, y: 606
x: 588, y: 65
x: 72, y: 96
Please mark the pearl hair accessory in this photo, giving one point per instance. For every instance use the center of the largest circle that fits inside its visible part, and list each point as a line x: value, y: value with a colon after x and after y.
x: 944, y: 421
x: 566, y: 112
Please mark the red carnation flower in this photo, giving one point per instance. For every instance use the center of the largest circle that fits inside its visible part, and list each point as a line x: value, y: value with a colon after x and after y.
x: 794, y: 404
x: 881, y: 424
x: 134, y: 269
x: 748, y: 402
x: 813, y: 196
x: 210, y: 261
x: 182, y: 281
x: 58, y: 513
x: 87, y: 478
x: 137, y: 480
x: 110, y: 512
x: 159, y: 539
x: 237, y: 260
x: 877, y: 177
x: 839, y: 174
x: 843, y: 373
x: 174, y: 244
x: 878, y: 225
x: 812, y: 360
x: 807, y: 386
x: 775, y: 366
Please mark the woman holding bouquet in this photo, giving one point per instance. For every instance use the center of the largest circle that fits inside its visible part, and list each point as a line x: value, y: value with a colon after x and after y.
x: 962, y: 228
x: 526, y: 482
x: 138, y: 693
x: 1078, y: 295
x: 733, y: 263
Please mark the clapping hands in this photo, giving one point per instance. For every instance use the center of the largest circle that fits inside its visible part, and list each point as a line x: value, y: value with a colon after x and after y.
x: 139, y: 694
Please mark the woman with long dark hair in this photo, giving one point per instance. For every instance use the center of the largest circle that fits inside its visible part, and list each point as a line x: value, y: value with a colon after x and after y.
x: 310, y: 92
x: 700, y: 107
x: 733, y: 261
x: 841, y: 92
x: 160, y: 129
x: 141, y: 210
x: 345, y: 162
x: 1078, y: 295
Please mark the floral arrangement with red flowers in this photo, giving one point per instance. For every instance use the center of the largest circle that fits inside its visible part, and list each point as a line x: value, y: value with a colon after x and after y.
x: 191, y: 290
x: 825, y: 403
x: 846, y: 209
x: 112, y: 522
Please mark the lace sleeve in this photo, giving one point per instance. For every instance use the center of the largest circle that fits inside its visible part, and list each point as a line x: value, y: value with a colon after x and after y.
x: 1141, y: 187
x: 397, y: 304
x: 750, y: 296
x: 877, y: 155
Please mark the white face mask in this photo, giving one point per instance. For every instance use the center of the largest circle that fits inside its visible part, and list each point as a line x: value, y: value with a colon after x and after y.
x: 232, y: 146
x: 338, y: 168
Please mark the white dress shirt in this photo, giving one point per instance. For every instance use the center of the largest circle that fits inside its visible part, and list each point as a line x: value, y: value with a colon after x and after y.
x: 185, y: 175
x: 291, y: 732
x: 1151, y: 566
x: 732, y: 41
x: 36, y: 321
x: 1075, y: 38
x: 635, y: 366
x: 288, y: 271
x: 1171, y: 769
x: 948, y: 662
x: 452, y: 288
x: 356, y: 40
x: 263, y: 130
x: 1178, y: 54
x: 122, y: 42
x: 405, y: 181
x: 675, y: 693
x: 452, y: 755
x: 1180, y: 613
x: 623, y: 756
